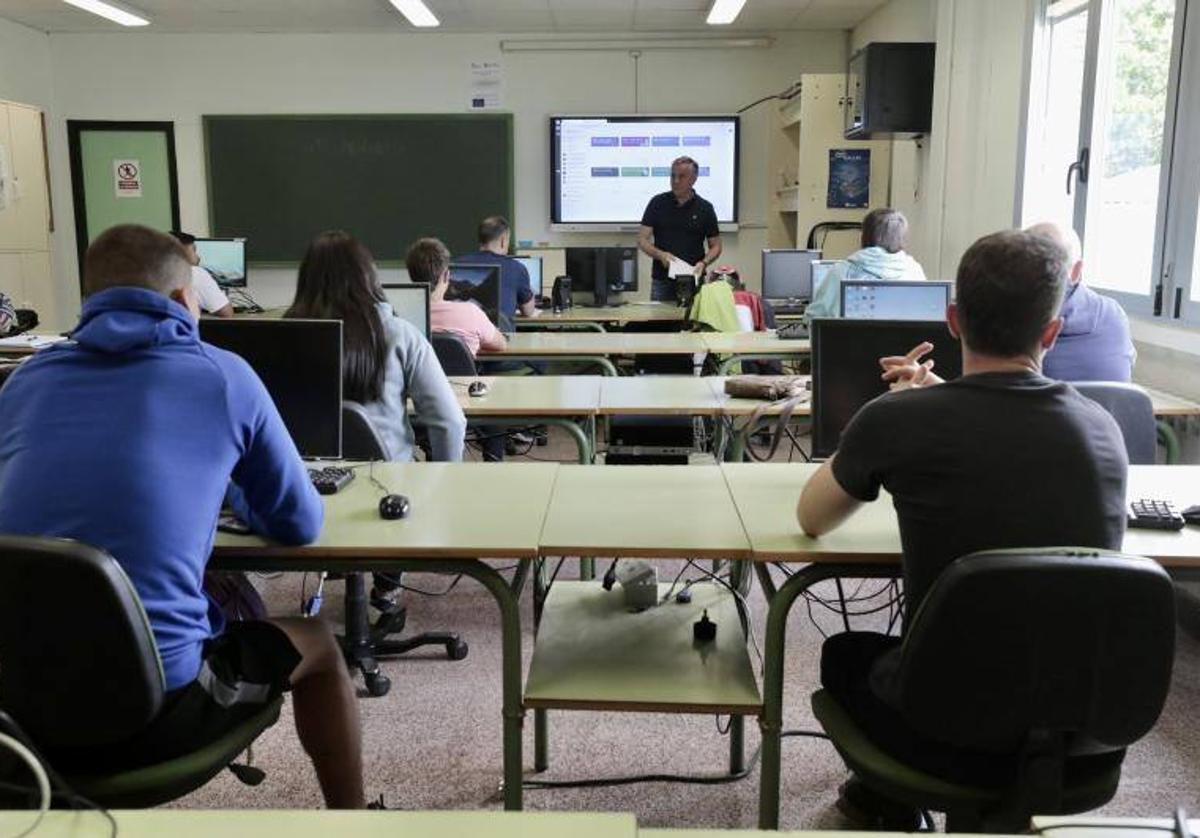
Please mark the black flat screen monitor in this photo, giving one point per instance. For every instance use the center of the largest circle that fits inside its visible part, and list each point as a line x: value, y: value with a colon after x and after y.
x: 410, y: 301
x: 787, y: 274
x: 846, y: 372
x: 533, y: 264
x: 601, y: 271
x: 300, y: 362
x: 479, y: 284
x: 225, y: 259
x: 873, y: 300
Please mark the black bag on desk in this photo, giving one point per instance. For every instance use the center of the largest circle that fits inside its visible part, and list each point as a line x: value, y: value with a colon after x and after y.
x: 560, y: 295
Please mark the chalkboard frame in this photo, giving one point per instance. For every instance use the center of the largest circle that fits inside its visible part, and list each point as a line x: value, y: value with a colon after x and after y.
x: 506, y: 118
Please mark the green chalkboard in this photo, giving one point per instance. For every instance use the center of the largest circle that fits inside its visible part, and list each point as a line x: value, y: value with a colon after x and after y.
x: 386, y: 178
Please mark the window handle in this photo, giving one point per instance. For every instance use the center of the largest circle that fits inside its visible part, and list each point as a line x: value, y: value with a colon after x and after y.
x: 1079, y: 168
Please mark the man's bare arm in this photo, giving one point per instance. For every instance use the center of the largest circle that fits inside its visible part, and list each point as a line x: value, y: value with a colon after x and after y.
x: 824, y: 505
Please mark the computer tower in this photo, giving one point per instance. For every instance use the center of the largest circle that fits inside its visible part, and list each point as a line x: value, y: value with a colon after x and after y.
x: 650, y: 440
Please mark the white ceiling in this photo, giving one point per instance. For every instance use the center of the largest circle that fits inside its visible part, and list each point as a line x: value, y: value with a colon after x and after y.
x: 479, y: 16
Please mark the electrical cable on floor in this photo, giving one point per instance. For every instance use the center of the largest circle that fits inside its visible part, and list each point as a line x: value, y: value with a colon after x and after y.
x: 689, y: 779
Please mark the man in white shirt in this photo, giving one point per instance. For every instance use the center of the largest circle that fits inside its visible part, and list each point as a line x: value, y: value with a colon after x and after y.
x: 212, y: 299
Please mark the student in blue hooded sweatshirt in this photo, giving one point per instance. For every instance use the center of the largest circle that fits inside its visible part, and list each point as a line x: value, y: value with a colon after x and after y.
x: 1094, y: 344
x: 881, y: 259
x: 129, y: 438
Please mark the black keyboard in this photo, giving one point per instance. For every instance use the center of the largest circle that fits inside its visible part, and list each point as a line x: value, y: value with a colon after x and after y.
x: 331, y: 479
x: 788, y: 306
x: 1155, y: 515
x: 797, y: 330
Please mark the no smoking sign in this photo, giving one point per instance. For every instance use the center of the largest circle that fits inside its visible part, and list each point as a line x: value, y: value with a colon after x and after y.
x: 127, y: 177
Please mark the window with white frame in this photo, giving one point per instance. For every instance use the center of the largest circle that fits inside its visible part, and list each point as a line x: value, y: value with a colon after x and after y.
x: 1113, y: 120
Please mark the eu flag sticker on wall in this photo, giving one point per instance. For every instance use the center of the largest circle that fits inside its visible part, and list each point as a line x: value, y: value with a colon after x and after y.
x: 849, y: 178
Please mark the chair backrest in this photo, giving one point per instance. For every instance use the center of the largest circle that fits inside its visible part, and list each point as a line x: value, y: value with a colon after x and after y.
x: 452, y: 353
x: 1009, y: 645
x: 78, y: 662
x: 360, y: 439
x: 1130, y: 405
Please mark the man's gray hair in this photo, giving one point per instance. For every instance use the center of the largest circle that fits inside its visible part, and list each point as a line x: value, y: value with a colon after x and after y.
x: 686, y: 160
x: 886, y: 228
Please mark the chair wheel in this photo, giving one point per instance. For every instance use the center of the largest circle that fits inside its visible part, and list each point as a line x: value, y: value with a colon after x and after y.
x: 378, y: 685
x: 458, y: 651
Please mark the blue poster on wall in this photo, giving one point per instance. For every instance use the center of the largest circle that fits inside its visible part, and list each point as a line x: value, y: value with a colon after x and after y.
x: 849, y: 178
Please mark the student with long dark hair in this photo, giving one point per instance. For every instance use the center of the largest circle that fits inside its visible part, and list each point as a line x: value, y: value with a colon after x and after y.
x: 385, y: 360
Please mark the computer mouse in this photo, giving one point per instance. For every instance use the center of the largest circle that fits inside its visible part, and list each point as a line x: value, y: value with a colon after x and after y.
x: 1192, y: 514
x: 477, y: 388
x: 393, y: 507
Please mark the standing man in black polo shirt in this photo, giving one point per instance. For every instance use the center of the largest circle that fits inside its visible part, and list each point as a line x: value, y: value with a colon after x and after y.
x: 679, y: 225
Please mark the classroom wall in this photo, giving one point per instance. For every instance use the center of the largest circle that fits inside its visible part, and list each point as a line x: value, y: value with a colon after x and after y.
x: 25, y: 66
x: 168, y: 77
x: 959, y: 182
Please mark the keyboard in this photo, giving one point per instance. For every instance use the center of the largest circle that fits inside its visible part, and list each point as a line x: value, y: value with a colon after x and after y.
x: 789, y: 306
x: 1155, y: 515
x: 796, y: 330
x: 331, y: 479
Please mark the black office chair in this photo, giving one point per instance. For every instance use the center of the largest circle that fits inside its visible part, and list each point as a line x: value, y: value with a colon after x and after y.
x: 94, y: 678
x: 1130, y: 405
x: 1044, y: 665
x: 453, y: 354
x: 364, y: 644
x: 456, y: 359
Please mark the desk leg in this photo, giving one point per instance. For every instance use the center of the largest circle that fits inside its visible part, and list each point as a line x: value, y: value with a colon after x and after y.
x: 541, y: 727
x: 1166, y: 435
x: 510, y: 621
x: 737, y: 744
x: 771, y: 721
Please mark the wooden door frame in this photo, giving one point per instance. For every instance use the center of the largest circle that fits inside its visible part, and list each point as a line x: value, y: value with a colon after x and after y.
x: 75, y: 127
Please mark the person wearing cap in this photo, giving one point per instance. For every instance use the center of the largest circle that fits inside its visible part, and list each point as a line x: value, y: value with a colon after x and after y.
x: 212, y: 299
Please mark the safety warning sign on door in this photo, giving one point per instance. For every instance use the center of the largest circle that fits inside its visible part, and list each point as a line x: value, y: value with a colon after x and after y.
x: 127, y: 174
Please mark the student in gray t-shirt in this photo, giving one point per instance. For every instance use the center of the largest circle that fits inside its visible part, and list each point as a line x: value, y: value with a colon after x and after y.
x: 1002, y: 457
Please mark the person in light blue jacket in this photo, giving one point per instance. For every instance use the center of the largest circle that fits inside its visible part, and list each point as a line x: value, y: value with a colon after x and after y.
x: 882, y: 258
x: 1094, y: 344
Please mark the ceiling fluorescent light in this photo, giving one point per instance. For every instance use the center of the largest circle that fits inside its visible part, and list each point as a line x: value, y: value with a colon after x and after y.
x: 725, y: 11
x: 416, y: 11
x: 116, y: 12
x: 621, y: 44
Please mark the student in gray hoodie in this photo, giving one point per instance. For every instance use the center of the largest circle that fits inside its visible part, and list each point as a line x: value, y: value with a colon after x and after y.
x: 385, y: 360
x: 882, y: 258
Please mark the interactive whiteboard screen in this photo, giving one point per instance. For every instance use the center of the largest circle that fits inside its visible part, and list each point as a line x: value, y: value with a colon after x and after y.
x: 604, y: 169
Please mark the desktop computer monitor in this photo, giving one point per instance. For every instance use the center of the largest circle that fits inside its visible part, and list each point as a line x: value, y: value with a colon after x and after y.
x: 533, y: 264
x: 787, y: 274
x: 410, y: 301
x: 225, y: 259
x: 873, y: 300
x: 479, y: 284
x: 300, y: 362
x: 602, y: 271
x: 846, y: 373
